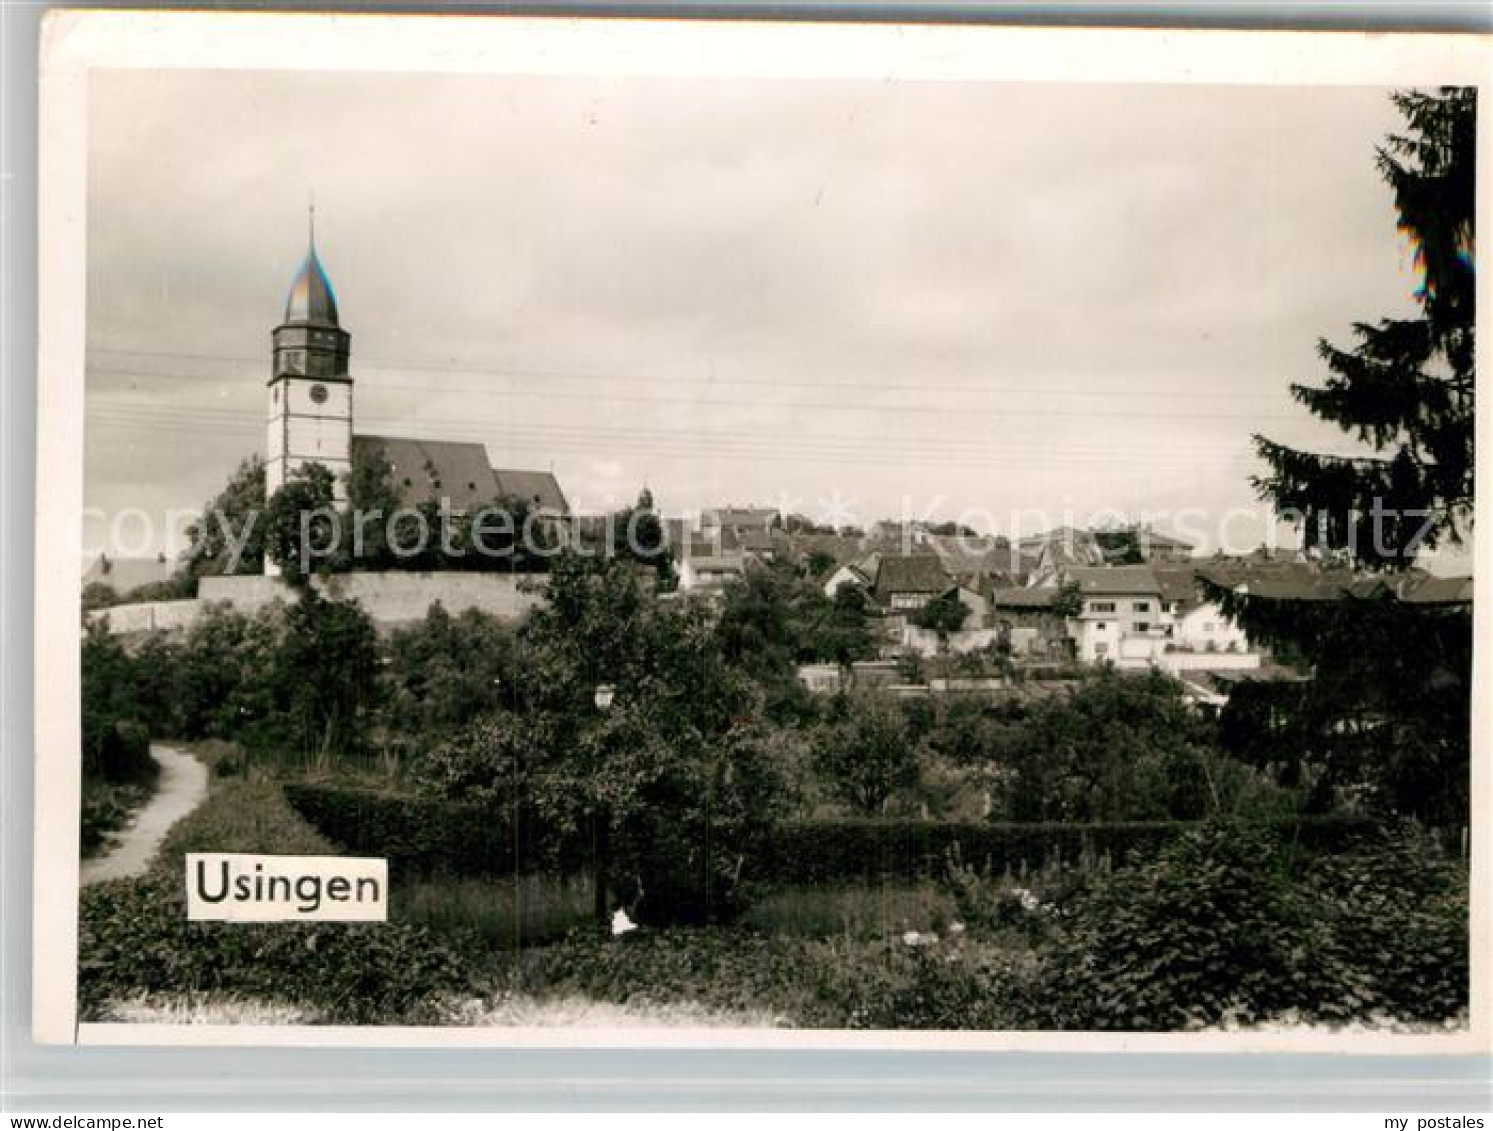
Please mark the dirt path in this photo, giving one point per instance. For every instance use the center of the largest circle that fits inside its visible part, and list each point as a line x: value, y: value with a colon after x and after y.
x: 180, y: 789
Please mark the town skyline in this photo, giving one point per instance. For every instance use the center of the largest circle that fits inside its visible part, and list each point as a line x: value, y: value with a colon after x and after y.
x: 805, y: 321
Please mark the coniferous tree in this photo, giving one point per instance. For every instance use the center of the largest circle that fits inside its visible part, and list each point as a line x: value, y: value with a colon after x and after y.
x: 1405, y: 387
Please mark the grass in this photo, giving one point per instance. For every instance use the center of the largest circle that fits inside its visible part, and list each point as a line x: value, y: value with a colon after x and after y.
x: 242, y: 815
x: 503, y: 911
x: 861, y: 911
x: 514, y: 911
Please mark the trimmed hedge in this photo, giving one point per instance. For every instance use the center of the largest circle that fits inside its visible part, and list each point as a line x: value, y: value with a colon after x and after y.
x: 426, y: 835
x: 808, y: 852
x: 421, y: 835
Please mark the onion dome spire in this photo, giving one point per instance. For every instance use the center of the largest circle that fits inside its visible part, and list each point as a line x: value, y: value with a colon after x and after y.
x: 312, y: 300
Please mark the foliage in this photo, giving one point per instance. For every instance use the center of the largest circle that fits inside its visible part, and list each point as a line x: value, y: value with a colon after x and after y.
x: 134, y: 935
x: 1069, y: 601
x: 638, y: 535
x: 326, y: 671
x: 866, y: 751
x: 107, y: 807
x: 835, y: 850
x: 1388, y: 707
x: 301, y: 529
x: 1406, y: 388
x: 921, y: 983
x: 1124, y: 747
x: 221, y: 677
x: 425, y: 835
x: 943, y: 614
x: 671, y: 787
x: 174, y: 589
x: 717, y: 968
x: 773, y: 619
x: 1226, y: 925
x: 446, y: 672
x: 116, y: 741
x: 229, y: 537
x: 97, y: 595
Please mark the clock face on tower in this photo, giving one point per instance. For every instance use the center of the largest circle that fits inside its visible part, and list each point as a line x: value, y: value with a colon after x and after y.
x: 319, y: 394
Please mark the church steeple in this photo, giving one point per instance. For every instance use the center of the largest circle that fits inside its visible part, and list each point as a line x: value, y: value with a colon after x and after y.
x: 310, y: 341
x: 311, y: 301
x: 311, y: 401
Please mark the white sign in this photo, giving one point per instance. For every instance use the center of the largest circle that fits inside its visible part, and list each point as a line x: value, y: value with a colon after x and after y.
x: 252, y: 888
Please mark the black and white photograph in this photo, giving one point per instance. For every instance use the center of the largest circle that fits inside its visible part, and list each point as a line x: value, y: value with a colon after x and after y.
x: 736, y: 552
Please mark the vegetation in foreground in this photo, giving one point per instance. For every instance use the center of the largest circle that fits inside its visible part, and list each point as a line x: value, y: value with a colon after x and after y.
x: 1225, y: 926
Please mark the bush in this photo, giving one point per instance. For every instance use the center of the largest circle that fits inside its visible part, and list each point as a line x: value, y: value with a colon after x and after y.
x: 422, y: 835
x: 134, y: 937
x: 106, y: 807
x: 810, y: 852
x: 920, y: 982
x: 425, y: 835
x: 1225, y: 926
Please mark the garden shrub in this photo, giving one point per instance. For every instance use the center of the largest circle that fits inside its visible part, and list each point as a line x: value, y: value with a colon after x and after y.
x: 1397, y: 928
x: 728, y: 969
x: 429, y: 834
x: 920, y: 982
x: 420, y: 835
x: 134, y: 937
x: 1224, y: 926
x: 811, y: 852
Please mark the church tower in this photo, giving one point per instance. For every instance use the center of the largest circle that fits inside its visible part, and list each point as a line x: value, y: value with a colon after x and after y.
x: 311, y: 394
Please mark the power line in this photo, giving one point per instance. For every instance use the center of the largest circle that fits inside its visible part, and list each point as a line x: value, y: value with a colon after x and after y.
x: 506, y: 372
x: 816, y: 406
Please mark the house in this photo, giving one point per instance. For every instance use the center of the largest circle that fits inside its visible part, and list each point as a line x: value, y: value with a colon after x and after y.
x: 904, y: 583
x: 1120, y: 620
x: 1047, y: 555
x: 860, y: 574
x: 1030, y: 621
x: 739, y: 521
x: 977, y: 563
x: 711, y: 571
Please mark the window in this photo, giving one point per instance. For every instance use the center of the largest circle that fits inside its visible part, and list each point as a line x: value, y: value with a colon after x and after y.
x: 1100, y: 626
x: 1101, y: 649
x: 1142, y: 606
x: 1101, y: 606
x: 1142, y: 626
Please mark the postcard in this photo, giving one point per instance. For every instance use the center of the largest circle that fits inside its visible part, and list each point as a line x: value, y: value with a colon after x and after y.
x: 605, y: 532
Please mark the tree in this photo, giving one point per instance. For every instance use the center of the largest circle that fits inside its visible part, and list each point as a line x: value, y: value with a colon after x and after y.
x: 1389, y: 703
x: 326, y: 671
x: 867, y: 753
x: 229, y: 536
x: 1406, y: 387
x: 1123, y: 748
x: 943, y: 614
x: 301, y: 525
x: 447, y: 672
x: 668, y: 786
x: 638, y: 535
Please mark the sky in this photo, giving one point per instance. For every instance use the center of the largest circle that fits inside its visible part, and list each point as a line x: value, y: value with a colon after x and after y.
x: 1007, y: 303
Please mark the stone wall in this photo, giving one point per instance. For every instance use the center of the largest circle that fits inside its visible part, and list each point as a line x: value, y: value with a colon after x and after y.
x: 390, y: 599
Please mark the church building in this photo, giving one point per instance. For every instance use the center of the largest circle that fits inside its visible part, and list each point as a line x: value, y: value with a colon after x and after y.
x: 311, y: 419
